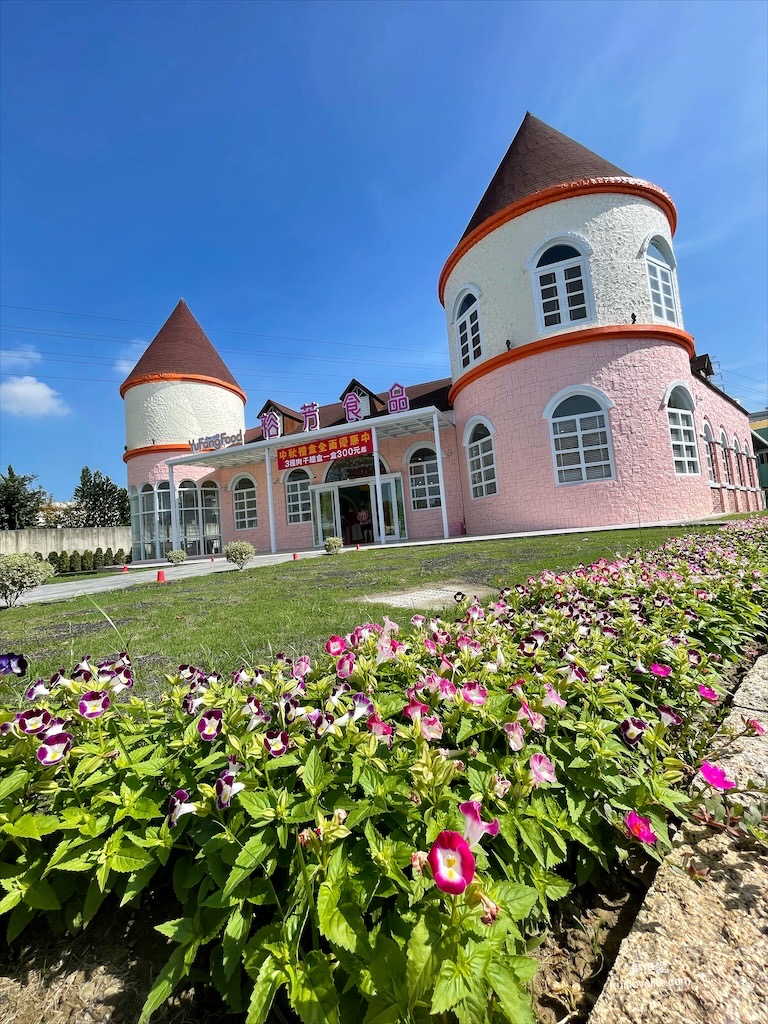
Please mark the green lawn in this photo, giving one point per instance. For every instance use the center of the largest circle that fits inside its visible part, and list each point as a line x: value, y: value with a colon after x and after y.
x: 218, y: 621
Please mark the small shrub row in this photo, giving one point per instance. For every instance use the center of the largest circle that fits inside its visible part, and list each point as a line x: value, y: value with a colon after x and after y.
x: 89, y: 561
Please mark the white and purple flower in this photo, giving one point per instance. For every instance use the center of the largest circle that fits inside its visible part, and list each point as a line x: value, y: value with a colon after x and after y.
x: 94, y: 703
x: 209, y: 724
x: 54, y: 748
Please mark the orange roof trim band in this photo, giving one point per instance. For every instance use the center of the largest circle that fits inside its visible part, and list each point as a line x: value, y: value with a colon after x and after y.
x: 153, y: 449
x: 157, y: 378
x: 553, y: 194
x: 657, y: 332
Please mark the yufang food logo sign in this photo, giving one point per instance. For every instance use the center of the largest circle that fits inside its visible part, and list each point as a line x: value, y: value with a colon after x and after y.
x: 327, y: 450
x: 215, y: 441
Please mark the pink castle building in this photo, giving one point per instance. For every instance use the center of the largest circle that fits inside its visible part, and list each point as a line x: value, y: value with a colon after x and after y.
x: 576, y: 398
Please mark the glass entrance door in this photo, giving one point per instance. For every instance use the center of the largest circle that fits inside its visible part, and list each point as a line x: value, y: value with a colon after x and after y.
x: 327, y: 518
x: 393, y: 507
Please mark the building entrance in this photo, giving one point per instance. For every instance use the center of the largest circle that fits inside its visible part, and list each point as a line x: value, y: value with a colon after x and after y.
x: 349, y: 510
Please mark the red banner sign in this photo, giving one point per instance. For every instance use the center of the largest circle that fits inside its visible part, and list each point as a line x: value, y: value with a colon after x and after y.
x: 356, y: 442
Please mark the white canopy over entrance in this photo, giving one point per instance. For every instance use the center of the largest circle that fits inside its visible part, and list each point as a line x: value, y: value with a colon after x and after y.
x: 403, y: 424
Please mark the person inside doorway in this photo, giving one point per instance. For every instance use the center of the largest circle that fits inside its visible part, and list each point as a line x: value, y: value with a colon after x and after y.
x: 365, y: 525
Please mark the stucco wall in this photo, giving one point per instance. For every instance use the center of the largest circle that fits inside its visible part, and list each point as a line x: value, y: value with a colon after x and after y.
x: 173, y: 412
x: 615, y: 226
x: 634, y: 375
x: 19, y: 542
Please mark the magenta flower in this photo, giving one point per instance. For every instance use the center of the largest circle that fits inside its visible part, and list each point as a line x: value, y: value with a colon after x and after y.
x: 336, y: 645
x: 418, y: 621
x: 467, y: 643
x: 301, y: 667
x: 754, y: 727
x: 452, y: 863
x: 669, y: 716
x: 33, y: 721
x: 179, y: 805
x: 54, y: 748
x: 447, y: 689
x: 640, y: 827
x: 431, y: 727
x: 474, y: 693
x: 662, y: 671
x: 475, y: 828
x: 209, y: 724
x: 94, y: 703
x: 537, y: 721
x: 276, y: 742
x: 551, y: 697
x: 515, y: 735
x: 414, y: 707
x: 707, y: 693
x: 345, y: 666
x: 542, y: 769
x: 226, y: 787
x: 632, y: 730
x: 716, y: 776
x: 381, y: 730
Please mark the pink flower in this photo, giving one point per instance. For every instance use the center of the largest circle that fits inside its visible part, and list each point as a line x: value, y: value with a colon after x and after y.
x: 414, y: 707
x: 345, y: 666
x: 716, y: 776
x: 381, y: 730
x: 301, y: 667
x: 417, y: 620
x: 515, y: 735
x: 708, y: 694
x: 640, y: 827
x: 661, y: 670
x: 94, y: 703
x: 431, y: 727
x: 475, y: 828
x: 474, y: 693
x: 336, y: 645
x: 754, y: 727
x: 552, y: 697
x: 542, y: 769
x: 452, y: 863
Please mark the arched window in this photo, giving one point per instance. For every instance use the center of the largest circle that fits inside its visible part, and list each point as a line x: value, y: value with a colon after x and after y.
x: 708, y: 442
x: 660, y: 267
x: 244, y: 502
x: 737, y: 460
x: 209, y: 507
x: 750, y: 463
x: 482, y: 462
x: 424, y: 479
x: 359, y: 467
x: 726, y: 458
x: 297, y: 496
x: 468, y: 331
x: 563, y: 294
x: 581, y: 440
x: 682, y: 431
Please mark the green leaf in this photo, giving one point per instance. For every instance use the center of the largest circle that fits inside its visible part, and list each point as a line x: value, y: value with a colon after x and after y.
x: 138, y: 882
x: 340, y: 918
x: 235, y: 936
x: 312, y: 992
x: 42, y: 896
x: 249, y: 858
x: 512, y: 998
x: 268, y: 980
x: 93, y: 900
x: 424, y: 954
x: 530, y: 833
x: 516, y: 900
x: 14, y: 782
x: 129, y: 859
x: 33, y: 826
x: 450, y: 988
x: 314, y: 775
x: 257, y: 806
x: 20, y: 917
x: 172, y: 973
x: 182, y: 930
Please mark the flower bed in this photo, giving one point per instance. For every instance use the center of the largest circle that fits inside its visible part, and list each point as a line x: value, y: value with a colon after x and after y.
x: 378, y: 836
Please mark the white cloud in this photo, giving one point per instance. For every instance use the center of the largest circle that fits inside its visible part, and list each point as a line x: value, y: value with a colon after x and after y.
x: 28, y: 396
x: 20, y: 358
x: 129, y: 356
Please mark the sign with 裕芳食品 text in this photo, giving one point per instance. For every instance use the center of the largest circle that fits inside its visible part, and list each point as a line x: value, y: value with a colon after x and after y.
x: 346, y: 446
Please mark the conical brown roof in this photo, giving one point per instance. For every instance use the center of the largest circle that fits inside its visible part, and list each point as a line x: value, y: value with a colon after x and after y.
x: 538, y: 158
x: 181, y: 348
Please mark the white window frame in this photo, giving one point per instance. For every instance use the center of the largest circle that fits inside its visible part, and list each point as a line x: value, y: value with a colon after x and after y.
x: 477, y: 459
x: 428, y: 490
x: 737, y: 460
x: 245, y: 510
x: 680, y: 420
x: 559, y: 269
x: 549, y: 415
x: 475, y: 343
x: 664, y: 309
x: 750, y: 461
x: 298, y: 498
x: 708, y: 438
x: 728, y: 474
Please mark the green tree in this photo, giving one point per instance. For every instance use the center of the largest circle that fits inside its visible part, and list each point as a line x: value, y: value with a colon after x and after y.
x: 20, y: 503
x: 99, y: 501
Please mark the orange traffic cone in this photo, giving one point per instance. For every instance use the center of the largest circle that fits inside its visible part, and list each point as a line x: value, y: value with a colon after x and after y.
x: 125, y: 568
x: 357, y: 547
x: 213, y: 559
x: 295, y: 557
x: 161, y: 575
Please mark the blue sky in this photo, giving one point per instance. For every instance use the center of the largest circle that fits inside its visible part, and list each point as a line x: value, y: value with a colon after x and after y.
x: 300, y: 172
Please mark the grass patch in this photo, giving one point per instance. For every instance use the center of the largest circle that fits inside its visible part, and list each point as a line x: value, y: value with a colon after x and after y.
x: 219, y: 621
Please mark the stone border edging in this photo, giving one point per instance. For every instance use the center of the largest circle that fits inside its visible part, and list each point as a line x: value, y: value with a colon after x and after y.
x: 698, y: 951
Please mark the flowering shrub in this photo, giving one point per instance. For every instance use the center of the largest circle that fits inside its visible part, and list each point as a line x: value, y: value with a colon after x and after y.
x: 20, y: 573
x: 176, y: 556
x: 375, y: 836
x: 239, y: 552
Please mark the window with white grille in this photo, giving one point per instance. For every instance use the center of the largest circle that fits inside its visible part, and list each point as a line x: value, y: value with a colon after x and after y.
x: 682, y: 432
x: 708, y: 449
x: 424, y: 479
x: 468, y: 330
x: 661, y: 285
x: 726, y: 458
x: 482, y: 462
x: 297, y: 497
x: 563, y: 294
x: 581, y: 441
x: 245, y: 504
